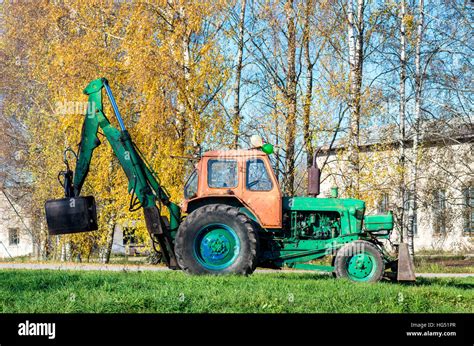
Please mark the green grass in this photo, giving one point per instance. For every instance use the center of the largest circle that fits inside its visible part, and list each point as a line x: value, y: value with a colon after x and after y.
x: 155, y: 292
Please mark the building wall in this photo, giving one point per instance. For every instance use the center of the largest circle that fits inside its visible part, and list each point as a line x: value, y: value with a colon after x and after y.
x: 119, y: 247
x: 443, y: 167
x: 10, y: 220
x: 447, y: 169
x: 117, y: 244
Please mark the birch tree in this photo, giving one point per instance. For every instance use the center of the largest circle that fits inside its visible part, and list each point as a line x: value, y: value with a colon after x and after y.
x: 308, y: 96
x: 236, y: 116
x: 417, y: 128
x: 290, y: 99
x: 401, y: 117
x: 355, y: 34
x: 275, y: 53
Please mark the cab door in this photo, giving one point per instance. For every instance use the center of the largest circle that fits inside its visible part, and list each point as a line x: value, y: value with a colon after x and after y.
x: 261, y: 191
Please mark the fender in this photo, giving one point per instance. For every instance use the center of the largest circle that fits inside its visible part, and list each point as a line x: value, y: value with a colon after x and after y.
x: 232, y: 200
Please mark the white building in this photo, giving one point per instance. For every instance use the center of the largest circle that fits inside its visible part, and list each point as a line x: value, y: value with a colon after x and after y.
x: 126, y: 242
x: 15, y: 237
x: 445, y: 198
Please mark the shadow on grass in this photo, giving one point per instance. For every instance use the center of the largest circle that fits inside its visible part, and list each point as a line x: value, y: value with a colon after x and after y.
x: 453, y: 283
x: 297, y: 276
x: 420, y: 282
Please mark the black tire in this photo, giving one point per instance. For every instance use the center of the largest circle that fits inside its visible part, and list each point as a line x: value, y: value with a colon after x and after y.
x: 333, y: 273
x: 189, y: 232
x: 348, y: 251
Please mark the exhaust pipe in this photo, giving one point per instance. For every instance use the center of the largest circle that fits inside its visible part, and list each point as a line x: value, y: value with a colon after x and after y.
x: 314, y: 178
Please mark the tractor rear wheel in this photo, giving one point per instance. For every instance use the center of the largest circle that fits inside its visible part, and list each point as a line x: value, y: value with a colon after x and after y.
x: 217, y: 239
x: 359, y: 261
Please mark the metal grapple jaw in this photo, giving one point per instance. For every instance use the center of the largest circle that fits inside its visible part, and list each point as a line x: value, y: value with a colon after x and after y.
x: 71, y: 215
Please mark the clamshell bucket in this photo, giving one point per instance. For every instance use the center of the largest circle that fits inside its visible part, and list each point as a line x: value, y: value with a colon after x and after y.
x: 71, y: 215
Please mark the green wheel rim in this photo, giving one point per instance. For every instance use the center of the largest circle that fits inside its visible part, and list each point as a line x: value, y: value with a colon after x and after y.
x: 361, y: 267
x: 216, y: 246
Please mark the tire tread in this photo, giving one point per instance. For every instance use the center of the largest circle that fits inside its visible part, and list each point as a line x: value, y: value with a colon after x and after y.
x: 232, y: 212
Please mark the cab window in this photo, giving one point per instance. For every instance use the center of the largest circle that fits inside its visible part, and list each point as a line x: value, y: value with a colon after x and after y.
x: 191, y: 186
x: 258, y: 178
x: 222, y: 173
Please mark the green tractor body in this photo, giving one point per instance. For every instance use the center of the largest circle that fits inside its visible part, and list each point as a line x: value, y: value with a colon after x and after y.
x: 315, y: 228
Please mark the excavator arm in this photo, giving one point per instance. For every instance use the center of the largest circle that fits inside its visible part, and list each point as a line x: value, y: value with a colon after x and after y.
x: 68, y: 215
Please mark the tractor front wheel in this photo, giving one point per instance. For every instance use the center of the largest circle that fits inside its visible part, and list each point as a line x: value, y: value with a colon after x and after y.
x: 216, y: 239
x: 359, y: 261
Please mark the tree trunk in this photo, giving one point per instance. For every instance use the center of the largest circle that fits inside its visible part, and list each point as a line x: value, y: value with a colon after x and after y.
x: 183, y: 89
x: 46, y: 243
x: 238, y: 73
x: 356, y: 48
x: 402, y: 132
x: 109, y: 244
x: 290, y: 100
x: 65, y: 251
x: 309, y: 87
x: 418, y: 100
x: 277, y: 142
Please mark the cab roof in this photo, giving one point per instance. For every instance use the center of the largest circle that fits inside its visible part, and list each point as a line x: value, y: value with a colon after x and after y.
x: 234, y: 153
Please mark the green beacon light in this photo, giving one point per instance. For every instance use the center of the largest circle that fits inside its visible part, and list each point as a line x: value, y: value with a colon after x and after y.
x: 267, y: 148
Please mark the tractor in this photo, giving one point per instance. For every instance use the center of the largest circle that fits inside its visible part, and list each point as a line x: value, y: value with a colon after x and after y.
x: 234, y: 217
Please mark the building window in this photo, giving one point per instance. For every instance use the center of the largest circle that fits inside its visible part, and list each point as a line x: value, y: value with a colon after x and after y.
x: 383, y: 204
x: 469, y: 211
x: 439, y: 212
x: 13, y: 236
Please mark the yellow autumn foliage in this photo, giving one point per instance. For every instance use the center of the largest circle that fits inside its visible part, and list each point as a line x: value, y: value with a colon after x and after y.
x: 60, y: 46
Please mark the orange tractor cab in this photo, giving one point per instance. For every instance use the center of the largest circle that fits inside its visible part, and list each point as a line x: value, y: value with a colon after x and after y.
x: 241, y: 178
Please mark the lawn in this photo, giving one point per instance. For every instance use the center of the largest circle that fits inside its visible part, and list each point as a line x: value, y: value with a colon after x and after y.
x: 138, y: 292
